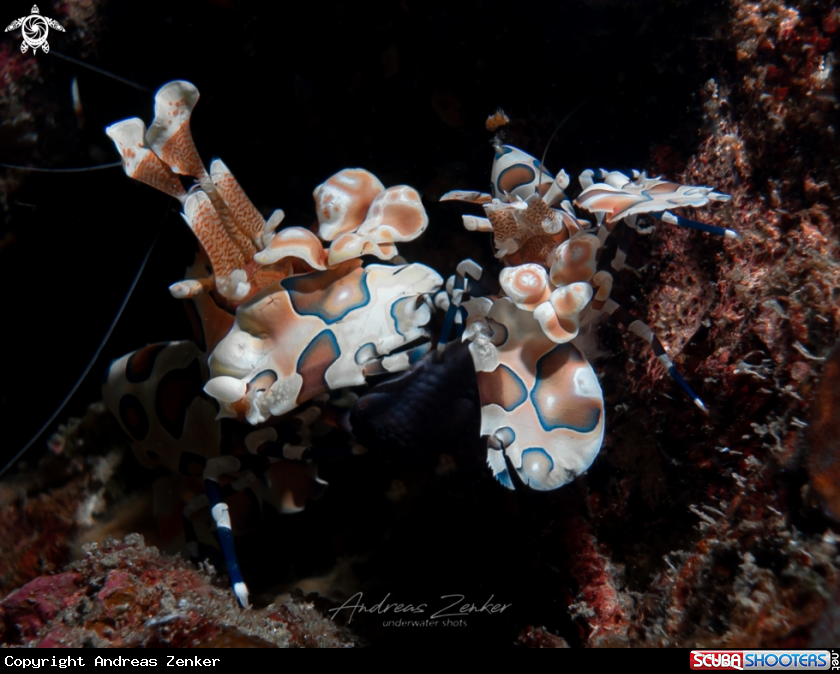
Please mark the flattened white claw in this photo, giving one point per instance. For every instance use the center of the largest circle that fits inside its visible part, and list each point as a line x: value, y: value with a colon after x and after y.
x: 342, y: 201
x: 558, y: 317
x: 169, y: 136
x: 395, y: 214
x: 348, y: 246
x: 139, y: 162
x: 473, y: 223
x: 294, y: 242
x: 575, y: 260
x: 619, y: 197
x: 185, y: 289
x: 527, y: 285
x: 467, y: 196
x: 128, y: 135
x: 226, y: 389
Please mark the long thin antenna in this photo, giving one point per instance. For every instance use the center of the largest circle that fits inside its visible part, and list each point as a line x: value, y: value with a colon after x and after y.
x: 104, y: 73
x: 82, y: 169
x: 93, y: 360
x: 554, y: 133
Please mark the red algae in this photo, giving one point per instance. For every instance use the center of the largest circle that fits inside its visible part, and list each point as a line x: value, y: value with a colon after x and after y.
x: 750, y: 321
x: 126, y: 594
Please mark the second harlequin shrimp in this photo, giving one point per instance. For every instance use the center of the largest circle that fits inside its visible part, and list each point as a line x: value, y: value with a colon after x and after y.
x: 542, y: 410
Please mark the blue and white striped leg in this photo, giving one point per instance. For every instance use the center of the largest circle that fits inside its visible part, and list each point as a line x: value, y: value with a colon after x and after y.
x: 456, y: 295
x: 195, y: 550
x: 637, y: 327
x: 673, y: 219
x: 221, y: 516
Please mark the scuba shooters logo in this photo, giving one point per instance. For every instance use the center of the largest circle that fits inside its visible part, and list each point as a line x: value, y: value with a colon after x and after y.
x: 782, y: 660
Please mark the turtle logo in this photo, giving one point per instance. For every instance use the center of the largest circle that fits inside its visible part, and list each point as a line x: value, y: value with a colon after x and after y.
x: 34, y: 30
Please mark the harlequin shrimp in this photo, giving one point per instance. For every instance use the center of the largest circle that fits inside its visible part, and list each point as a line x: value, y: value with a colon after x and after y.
x: 542, y: 410
x: 282, y: 322
x: 288, y: 319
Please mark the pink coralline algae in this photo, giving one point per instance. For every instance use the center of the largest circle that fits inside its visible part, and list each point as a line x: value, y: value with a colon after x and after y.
x: 752, y: 320
x: 125, y: 594
x: 47, y: 508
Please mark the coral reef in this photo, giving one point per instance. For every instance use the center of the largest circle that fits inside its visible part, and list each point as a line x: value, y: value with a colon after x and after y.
x: 125, y: 594
x: 120, y: 593
x: 752, y: 319
x: 45, y: 508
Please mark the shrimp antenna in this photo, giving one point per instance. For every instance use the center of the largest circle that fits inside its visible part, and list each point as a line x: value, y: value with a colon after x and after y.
x: 554, y: 133
x: 102, y: 72
x: 93, y: 360
x: 82, y: 169
x: 131, y: 288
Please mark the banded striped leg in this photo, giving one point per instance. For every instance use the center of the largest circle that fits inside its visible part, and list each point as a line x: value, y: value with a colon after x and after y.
x: 221, y: 516
x: 673, y: 219
x: 602, y: 282
x: 637, y: 327
x: 455, y: 297
x: 619, y: 261
x: 201, y: 502
x: 604, y: 230
x: 217, y: 467
x: 285, y: 485
x: 215, y: 500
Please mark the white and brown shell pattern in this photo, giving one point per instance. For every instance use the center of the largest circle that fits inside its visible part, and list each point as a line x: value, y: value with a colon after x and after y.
x: 542, y: 407
x: 309, y: 319
x: 541, y: 404
x: 318, y: 332
x: 284, y: 318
